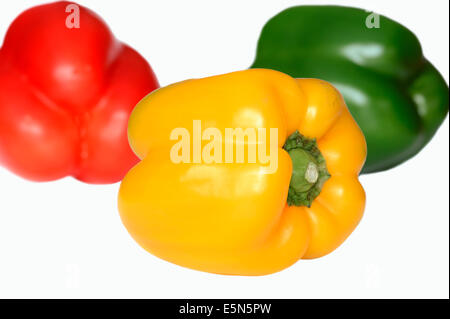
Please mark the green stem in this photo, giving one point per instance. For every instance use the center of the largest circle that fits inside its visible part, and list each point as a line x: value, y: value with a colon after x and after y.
x: 309, y: 170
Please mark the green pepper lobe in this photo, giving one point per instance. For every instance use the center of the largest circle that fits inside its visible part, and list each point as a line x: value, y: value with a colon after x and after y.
x: 396, y: 96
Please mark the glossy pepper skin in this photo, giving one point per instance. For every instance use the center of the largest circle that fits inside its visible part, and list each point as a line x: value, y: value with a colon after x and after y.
x: 233, y: 218
x: 66, y: 95
x: 396, y: 96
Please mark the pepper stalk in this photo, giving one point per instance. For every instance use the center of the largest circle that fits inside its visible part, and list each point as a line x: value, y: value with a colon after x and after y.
x: 309, y: 170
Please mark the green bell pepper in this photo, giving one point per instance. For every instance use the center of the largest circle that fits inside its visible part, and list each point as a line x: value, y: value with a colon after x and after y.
x: 397, y: 97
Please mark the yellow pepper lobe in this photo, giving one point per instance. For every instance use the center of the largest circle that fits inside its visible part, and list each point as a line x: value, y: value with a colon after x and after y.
x: 233, y: 217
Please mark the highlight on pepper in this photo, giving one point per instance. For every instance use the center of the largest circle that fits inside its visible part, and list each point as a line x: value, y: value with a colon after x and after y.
x: 67, y: 88
x: 235, y: 217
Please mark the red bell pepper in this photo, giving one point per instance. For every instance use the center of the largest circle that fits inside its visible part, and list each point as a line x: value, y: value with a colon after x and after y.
x: 66, y: 91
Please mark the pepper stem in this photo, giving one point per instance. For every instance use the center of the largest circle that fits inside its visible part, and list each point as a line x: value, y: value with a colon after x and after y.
x: 309, y: 170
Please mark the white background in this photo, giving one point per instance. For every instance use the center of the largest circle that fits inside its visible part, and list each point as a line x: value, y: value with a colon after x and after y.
x: 65, y: 238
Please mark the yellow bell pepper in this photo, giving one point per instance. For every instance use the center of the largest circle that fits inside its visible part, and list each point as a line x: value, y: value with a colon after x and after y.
x: 234, y: 217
